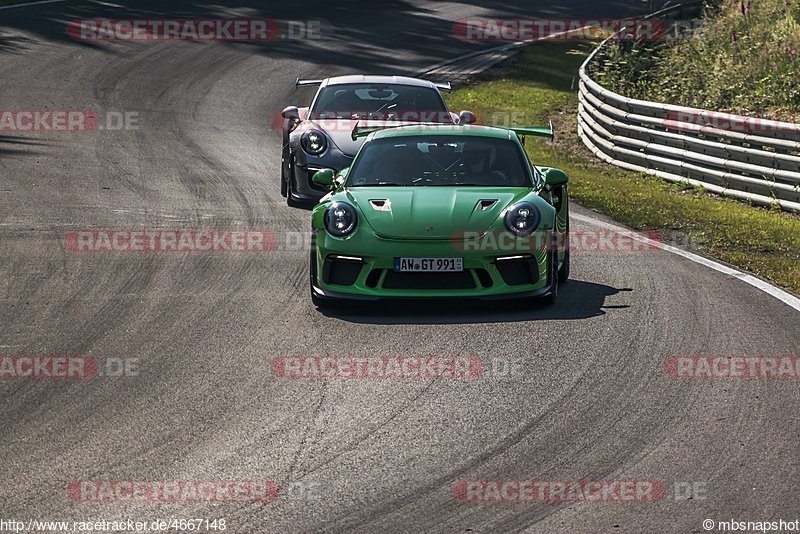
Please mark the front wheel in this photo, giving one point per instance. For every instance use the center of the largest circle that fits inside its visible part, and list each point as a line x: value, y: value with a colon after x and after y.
x: 284, y: 175
x: 317, y: 301
x: 563, y: 271
x: 552, y: 296
x: 292, y: 203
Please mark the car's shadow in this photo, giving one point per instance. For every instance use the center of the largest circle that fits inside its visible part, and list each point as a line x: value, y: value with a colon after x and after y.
x: 576, y: 300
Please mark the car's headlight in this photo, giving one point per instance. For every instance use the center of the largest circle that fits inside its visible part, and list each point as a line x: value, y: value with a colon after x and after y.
x: 314, y: 142
x: 523, y: 218
x: 341, y: 219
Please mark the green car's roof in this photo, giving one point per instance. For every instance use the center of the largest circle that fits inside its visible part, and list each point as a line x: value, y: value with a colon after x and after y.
x: 444, y: 129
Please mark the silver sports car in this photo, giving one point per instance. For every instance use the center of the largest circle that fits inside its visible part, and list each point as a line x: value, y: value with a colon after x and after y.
x: 320, y: 136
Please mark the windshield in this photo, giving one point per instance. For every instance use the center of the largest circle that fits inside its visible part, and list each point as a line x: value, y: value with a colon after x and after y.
x: 380, y: 102
x: 440, y: 160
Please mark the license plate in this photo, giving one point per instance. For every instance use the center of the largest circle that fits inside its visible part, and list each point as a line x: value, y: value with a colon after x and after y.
x: 428, y: 265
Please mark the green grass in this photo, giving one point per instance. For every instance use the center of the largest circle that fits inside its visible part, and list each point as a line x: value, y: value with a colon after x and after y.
x: 540, y: 84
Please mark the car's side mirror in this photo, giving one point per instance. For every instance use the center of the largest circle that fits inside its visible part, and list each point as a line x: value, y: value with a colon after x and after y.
x: 467, y: 117
x: 291, y: 113
x: 555, y: 177
x: 324, y: 177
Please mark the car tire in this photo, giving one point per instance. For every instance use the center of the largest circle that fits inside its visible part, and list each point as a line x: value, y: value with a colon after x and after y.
x: 563, y: 271
x: 552, y: 295
x: 317, y: 301
x: 284, y: 163
x: 292, y: 203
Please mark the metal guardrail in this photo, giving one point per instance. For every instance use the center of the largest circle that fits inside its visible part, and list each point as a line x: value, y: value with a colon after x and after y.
x: 758, y: 161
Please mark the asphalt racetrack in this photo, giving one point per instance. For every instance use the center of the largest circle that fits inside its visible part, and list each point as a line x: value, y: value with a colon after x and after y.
x: 575, y: 392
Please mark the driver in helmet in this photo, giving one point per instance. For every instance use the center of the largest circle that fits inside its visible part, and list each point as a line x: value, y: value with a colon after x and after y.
x: 479, y: 161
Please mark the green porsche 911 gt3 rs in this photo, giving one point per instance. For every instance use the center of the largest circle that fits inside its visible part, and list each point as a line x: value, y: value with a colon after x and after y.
x: 440, y: 211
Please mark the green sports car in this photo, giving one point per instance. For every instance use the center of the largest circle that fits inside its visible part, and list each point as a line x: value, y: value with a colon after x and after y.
x: 441, y: 211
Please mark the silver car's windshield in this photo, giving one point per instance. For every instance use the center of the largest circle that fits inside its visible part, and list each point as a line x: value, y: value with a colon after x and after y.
x: 440, y: 160
x: 408, y: 103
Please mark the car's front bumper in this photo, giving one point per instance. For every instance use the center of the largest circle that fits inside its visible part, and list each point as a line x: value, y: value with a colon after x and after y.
x: 364, y: 270
x: 339, y: 295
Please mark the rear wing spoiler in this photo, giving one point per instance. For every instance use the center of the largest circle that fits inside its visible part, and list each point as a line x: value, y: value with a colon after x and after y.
x: 300, y: 82
x: 533, y: 131
x: 521, y: 131
x: 303, y: 82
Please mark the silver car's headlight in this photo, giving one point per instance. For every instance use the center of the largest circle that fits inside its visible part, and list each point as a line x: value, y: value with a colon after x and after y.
x: 314, y: 142
x: 341, y: 219
x: 523, y: 218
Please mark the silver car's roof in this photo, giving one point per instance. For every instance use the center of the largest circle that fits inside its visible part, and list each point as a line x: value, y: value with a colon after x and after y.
x: 367, y: 78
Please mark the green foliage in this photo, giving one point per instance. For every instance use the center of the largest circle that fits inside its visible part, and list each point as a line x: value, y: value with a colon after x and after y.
x: 745, y: 58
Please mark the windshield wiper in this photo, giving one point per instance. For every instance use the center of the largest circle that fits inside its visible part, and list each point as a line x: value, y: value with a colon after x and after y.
x: 388, y: 105
x: 382, y: 184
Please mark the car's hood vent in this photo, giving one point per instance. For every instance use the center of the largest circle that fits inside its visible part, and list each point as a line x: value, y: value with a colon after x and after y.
x: 381, y: 205
x: 486, y: 204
